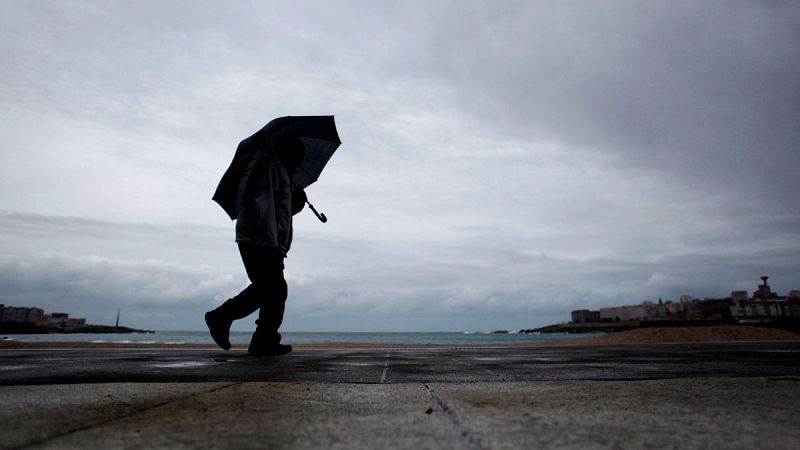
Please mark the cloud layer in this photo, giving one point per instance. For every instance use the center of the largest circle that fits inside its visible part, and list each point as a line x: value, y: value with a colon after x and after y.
x: 501, y: 165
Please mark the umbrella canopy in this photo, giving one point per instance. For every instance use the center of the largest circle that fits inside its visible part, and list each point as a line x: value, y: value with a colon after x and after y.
x: 319, y: 137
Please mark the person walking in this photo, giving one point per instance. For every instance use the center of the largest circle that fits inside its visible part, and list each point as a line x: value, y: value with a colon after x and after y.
x: 264, y: 237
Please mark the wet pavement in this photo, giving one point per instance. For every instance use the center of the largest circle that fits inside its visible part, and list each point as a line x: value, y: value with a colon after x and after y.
x: 630, y: 362
x: 699, y: 396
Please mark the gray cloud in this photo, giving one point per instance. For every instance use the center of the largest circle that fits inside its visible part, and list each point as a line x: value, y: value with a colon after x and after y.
x: 337, y: 284
x: 502, y: 164
x: 706, y: 92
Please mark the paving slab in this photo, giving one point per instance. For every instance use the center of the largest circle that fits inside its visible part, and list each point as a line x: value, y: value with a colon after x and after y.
x: 260, y: 415
x: 724, y: 413
x: 686, y: 413
x: 40, y: 413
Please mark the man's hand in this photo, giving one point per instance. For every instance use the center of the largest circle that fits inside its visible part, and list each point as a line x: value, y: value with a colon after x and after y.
x: 298, y: 200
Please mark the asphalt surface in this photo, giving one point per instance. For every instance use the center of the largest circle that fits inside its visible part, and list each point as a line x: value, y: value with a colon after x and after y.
x: 630, y: 362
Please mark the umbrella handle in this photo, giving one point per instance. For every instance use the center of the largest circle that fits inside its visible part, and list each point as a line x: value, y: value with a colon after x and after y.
x: 321, y: 217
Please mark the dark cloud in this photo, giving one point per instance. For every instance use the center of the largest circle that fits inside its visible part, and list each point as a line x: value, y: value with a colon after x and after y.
x: 707, y: 92
x: 503, y: 163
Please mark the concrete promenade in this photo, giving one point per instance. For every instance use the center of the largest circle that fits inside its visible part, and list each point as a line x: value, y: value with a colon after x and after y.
x: 734, y: 395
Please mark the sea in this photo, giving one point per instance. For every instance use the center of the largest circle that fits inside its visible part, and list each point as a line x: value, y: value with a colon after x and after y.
x: 296, y: 337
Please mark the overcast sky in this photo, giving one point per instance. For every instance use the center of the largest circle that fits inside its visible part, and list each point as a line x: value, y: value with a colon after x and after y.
x: 503, y: 163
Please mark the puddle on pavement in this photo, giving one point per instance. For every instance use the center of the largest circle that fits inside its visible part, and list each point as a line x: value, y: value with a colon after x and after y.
x: 18, y: 367
x: 183, y: 364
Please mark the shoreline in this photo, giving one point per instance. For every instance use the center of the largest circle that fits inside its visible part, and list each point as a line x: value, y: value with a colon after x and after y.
x: 739, y: 333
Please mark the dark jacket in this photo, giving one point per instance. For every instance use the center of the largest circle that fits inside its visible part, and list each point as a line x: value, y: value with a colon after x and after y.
x: 265, y: 216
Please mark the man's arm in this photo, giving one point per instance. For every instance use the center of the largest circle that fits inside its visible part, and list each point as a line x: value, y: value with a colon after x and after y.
x: 282, y: 192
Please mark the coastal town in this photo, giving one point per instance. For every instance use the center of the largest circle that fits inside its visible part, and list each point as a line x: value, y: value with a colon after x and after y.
x: 32, y: 320
x: 762, y: 307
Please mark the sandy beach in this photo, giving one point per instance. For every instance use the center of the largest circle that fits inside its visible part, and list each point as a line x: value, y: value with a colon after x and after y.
x: 638, y: 336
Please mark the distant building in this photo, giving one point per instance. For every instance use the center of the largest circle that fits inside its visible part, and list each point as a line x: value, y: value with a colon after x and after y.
x: 21, y: 314
x: 739, y: 296
x: 35, y: 315
x: 694, y: 310
x: 676, y: 309
x: 644, y: 311
x: 611, y: 314
x: 636, y: 312
x: 765, y: 310
x: 717, y: 309
x: 661, y: 309
x: 765, y: 305
x: 763, y: 292
x: 75, y: 322
x: 585, y: 316
x: 58, y: 319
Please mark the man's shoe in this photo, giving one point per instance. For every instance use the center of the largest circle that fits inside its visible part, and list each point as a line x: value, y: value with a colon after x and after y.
x: 220, y: 329
x: 272, y: 350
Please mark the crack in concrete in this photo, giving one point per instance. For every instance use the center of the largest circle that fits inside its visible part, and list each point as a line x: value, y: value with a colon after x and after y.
x: 448, y: 412
x: 385, y: 368
x: 122, y: 416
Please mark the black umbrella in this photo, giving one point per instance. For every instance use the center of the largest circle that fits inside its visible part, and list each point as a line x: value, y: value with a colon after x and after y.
x: 319, y: 137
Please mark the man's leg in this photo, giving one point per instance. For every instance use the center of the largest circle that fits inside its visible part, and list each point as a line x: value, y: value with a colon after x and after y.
x: 270, y: 316
x: 219, y: 320
x: 272, y: 290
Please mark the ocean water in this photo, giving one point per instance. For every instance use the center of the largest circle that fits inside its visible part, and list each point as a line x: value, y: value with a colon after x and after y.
x: 202, y: 337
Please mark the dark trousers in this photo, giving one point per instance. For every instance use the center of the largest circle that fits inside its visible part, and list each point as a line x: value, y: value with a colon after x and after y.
x: 267, y: 293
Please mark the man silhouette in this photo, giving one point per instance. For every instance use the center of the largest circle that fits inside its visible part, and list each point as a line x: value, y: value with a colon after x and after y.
x: 264, y: 236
